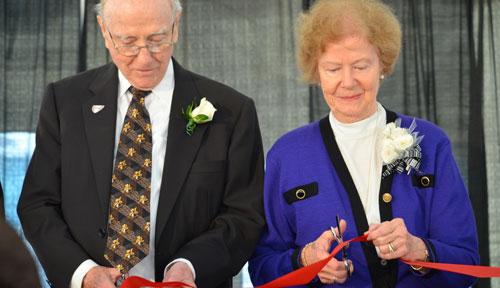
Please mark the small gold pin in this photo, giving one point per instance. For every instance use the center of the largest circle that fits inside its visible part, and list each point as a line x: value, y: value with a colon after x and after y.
x: 387, y: 197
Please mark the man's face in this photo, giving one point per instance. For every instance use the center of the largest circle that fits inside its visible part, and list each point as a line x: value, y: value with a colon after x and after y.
x: 140, y: 22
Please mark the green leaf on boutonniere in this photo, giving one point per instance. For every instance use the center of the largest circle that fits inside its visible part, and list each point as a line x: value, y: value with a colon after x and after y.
x: 187, y: 114
x: 199, y: 118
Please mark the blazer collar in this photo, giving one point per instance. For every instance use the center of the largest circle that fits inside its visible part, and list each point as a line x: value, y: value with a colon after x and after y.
x: 100, y: 128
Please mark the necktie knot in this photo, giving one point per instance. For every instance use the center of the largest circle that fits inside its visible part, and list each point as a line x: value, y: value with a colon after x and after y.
x: 137, y: 93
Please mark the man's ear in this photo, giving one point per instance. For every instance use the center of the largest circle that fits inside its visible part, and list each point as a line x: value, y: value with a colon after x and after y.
x: 177, y: 21
x: 101, y: 23
x: 103, y: 30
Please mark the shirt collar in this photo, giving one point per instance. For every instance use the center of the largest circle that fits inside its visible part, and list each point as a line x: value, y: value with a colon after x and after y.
x: 165, y: 87
x: 360, y: 129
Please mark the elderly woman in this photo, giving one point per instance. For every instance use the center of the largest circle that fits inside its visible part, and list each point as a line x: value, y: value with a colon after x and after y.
x: 369, y: 165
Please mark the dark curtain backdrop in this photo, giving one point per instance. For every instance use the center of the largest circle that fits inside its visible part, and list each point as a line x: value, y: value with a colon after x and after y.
x: 491, y: 116
x: 447, y: 73
x: 39, y: 44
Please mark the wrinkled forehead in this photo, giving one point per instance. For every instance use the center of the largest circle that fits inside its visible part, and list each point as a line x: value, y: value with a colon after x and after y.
x: 137, y: 11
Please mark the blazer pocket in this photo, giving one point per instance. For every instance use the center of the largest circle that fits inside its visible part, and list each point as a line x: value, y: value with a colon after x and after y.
x: 208, y: 166
x: 301, y: 192
x: 423, y: 181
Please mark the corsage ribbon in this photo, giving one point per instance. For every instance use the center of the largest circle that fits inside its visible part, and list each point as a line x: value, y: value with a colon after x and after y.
x: 305, y: 274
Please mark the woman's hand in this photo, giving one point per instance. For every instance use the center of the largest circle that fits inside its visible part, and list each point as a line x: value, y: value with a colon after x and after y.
x: 335, y: 271
x: 394, y: 241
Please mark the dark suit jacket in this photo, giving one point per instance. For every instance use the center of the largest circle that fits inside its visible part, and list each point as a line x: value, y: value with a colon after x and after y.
x: 210, y: 207
x: 2, y: 207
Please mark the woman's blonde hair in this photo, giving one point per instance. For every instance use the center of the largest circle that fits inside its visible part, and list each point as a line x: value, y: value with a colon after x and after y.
x: 329, y: 20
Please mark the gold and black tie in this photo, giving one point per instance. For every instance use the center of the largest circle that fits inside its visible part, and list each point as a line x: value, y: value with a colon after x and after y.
x: 128, y: 224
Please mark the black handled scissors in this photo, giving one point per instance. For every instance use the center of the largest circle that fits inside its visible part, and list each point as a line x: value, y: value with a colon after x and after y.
x: 340, y: 240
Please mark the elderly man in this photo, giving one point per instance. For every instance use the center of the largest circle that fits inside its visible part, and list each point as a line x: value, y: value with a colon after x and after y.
x: 121, y: 183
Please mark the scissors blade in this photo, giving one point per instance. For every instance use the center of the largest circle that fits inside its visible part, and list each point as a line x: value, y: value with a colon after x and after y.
x: 344, y: 253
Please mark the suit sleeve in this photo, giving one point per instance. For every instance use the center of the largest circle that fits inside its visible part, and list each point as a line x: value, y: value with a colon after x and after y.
x: 2, y: 207
x: 39, y: 207
x: 223, y: 249
x: 452, y: 234
x: 275, y: 254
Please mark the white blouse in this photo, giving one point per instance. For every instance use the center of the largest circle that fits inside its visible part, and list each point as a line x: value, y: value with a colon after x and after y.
x: 360, y: 145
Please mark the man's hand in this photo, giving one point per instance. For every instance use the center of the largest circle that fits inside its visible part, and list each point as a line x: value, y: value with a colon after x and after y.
x: 101, y: 277
x: 179, y: 272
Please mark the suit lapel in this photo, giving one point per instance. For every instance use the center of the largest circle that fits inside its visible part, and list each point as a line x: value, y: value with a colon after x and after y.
x: 100, y: 129
x: 181, y: 148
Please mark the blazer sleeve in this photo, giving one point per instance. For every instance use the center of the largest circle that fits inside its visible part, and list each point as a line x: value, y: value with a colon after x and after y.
x: 236, y: 229
x: 452, y: 230
x: 276, y: 254
x: 39, y: 207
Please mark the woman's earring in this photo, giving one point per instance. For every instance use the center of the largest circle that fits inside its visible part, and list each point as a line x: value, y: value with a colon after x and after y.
x: 382, y: 77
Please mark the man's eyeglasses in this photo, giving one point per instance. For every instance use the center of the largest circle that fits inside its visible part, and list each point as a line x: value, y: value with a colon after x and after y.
x: 133, y: 50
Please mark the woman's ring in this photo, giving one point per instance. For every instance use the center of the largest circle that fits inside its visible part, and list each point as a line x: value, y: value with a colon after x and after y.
x: 391, y: 248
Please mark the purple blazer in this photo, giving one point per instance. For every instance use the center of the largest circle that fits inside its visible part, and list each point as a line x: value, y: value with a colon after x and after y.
x: 308, y: 158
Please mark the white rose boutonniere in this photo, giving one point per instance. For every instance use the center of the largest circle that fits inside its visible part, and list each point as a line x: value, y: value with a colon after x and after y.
x: 400, y: 150
x: 200, y: 114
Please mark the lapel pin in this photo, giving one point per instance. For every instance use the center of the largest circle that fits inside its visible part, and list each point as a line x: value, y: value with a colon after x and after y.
x: 97, y: 108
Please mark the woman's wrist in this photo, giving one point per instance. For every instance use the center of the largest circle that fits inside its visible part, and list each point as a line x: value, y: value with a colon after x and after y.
x: 303, y: 260
x: 422, y: 269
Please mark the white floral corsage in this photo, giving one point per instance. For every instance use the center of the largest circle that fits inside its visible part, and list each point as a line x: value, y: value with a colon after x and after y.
x: 400, y: 150
x: 200, y: 114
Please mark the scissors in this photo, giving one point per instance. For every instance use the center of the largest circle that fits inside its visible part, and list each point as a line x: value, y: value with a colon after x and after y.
x: 340, y: 240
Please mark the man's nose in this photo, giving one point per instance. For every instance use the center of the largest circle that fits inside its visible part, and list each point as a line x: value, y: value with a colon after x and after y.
x: 144, y: 54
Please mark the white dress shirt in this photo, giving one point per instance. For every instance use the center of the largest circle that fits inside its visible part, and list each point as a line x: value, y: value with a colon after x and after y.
x: 356, y: 143
x: 158, y: 104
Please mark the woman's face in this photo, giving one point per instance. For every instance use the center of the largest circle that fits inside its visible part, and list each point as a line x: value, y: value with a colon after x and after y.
x: 349, y: 72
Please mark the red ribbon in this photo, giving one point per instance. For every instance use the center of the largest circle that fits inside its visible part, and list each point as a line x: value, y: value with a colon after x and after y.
x: 136, y: 282
x: 304, y: 275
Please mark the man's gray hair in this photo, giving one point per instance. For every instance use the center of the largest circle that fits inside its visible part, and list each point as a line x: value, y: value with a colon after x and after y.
x: 176, y: 7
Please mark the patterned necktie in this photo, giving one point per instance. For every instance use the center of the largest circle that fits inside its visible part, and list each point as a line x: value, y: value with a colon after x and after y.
x: 128, y: 227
